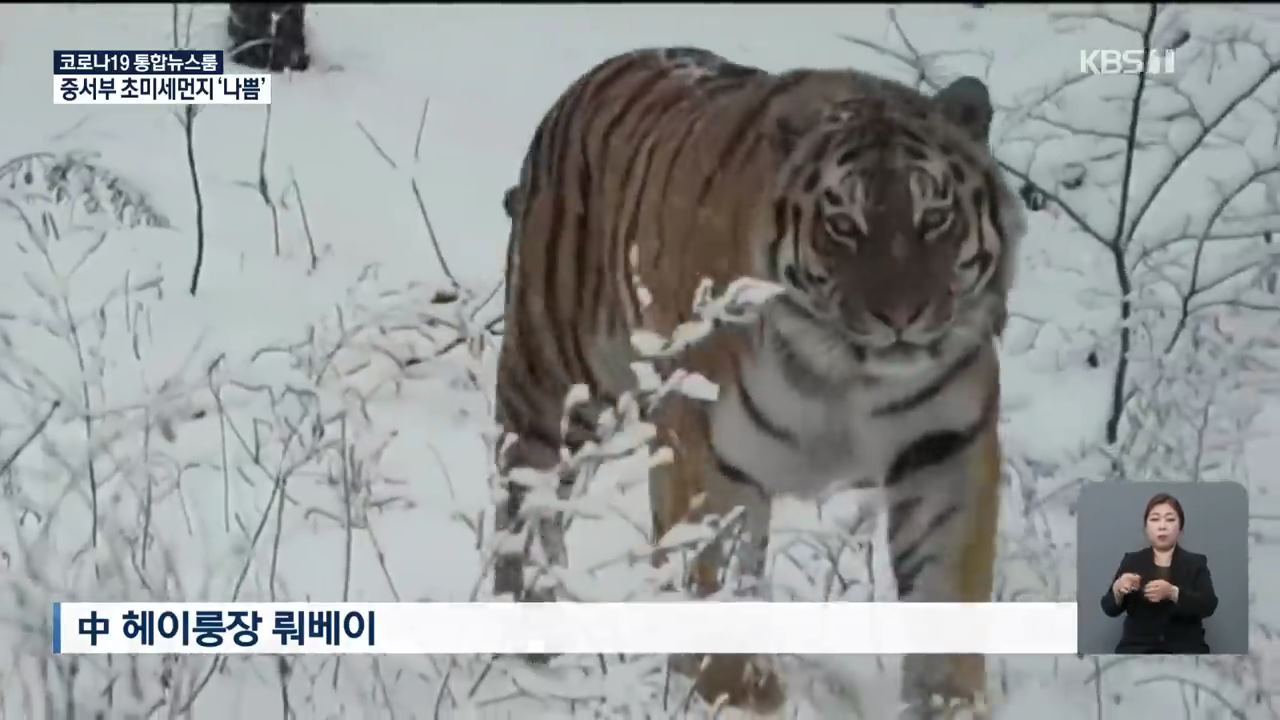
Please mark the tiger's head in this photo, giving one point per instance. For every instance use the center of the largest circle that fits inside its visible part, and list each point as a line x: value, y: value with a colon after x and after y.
x: 893, y: 227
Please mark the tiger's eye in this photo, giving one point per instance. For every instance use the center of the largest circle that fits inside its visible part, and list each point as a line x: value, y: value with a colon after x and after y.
x: 843, y: 226
x: 932, y: 220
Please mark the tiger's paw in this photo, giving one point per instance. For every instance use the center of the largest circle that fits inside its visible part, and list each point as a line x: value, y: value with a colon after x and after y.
x: 739, y: 681
x: 938, y: 707
x: 539, y: 658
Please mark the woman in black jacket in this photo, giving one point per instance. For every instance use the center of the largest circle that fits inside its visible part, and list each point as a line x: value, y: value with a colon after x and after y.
x: 1165, y: 590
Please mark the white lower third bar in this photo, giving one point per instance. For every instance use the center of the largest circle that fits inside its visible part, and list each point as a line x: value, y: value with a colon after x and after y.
x: 502, y: 628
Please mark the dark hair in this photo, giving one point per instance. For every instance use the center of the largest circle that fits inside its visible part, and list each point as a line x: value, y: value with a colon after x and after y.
x: 1171, y: 501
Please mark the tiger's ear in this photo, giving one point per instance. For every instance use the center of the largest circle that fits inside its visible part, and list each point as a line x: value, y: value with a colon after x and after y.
x: 511, y: 201
x: 967, y: 103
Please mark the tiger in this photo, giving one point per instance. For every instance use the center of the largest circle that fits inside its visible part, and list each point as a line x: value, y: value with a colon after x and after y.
x: 879, y: 212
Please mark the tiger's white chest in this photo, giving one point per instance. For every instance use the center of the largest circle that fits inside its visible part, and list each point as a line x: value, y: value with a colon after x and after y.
x: 804, y: 434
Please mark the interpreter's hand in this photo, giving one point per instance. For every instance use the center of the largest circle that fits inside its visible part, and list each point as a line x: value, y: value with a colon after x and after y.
x: 1126, y: 584
x: 1158, y: 591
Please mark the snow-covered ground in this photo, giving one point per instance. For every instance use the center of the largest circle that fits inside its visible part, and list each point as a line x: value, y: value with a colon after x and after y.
x: 306, y: 426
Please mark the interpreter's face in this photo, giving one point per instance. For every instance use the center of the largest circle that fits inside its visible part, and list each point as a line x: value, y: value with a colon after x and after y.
x: 1163, y: 527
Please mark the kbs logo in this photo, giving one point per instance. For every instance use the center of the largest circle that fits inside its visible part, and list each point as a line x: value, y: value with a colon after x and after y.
x: 1126, y: 62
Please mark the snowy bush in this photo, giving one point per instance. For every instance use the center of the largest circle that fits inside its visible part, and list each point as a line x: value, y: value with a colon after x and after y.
x: 314, y: 421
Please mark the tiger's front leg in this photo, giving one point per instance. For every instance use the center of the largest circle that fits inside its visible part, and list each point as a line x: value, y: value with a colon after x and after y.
x: 943, y: 501
x: 515, y: 539
x: 696, y: 484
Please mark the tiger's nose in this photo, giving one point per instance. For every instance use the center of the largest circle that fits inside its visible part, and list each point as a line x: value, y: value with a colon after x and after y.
x: 902, y: 316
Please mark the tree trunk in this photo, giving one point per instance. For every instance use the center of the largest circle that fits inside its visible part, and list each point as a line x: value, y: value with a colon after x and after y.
x: 268, y: 36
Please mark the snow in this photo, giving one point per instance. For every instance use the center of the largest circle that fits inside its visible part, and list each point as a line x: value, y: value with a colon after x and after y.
x: 293, y: 433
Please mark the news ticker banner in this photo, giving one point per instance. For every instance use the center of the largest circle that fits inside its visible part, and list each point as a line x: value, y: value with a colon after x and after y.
x: 153, y: 77
x: 293, y: 628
